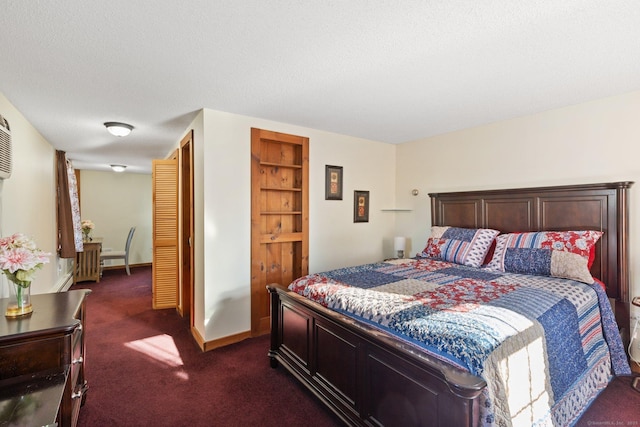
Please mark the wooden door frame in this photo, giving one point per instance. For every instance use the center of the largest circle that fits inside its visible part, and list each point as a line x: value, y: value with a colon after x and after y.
x: 186, y: 227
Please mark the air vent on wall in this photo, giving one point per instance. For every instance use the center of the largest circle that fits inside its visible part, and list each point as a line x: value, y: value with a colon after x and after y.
x: 5, y: 149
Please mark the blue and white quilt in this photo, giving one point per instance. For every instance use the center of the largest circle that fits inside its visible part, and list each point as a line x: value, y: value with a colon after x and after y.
x: 545, y: 346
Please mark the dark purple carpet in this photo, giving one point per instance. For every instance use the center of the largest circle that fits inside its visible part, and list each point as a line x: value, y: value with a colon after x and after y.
x: 144, y: 369
x: 617, y: 405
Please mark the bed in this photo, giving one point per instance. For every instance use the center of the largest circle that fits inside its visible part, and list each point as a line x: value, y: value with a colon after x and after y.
x: 353, y: 344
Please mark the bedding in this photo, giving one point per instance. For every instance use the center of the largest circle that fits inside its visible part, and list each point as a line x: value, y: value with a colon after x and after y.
x: 565, y: 254
x: 493, y: 324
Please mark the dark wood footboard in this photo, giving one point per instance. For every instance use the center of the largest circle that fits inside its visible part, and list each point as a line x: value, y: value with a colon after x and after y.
x: 366, y: 377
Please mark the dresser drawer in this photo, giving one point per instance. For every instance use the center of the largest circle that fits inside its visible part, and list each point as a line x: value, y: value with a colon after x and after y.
x: 23, y: 358
x: 77, y: 400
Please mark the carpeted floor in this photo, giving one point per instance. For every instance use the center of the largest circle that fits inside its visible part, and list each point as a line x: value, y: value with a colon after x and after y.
x: 144, y: 369
x: 617, y: 405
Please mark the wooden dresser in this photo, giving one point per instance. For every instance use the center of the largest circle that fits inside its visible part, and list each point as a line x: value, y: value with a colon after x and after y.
x: 51, y: 339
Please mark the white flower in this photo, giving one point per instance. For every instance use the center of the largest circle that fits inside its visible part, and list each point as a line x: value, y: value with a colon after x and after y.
x: 87, y: 225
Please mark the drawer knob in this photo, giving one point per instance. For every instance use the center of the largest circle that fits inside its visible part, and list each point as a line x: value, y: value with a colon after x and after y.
x: 81, y: 391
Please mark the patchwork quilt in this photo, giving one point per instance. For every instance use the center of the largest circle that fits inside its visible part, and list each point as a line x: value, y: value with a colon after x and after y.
x: 545, y: 346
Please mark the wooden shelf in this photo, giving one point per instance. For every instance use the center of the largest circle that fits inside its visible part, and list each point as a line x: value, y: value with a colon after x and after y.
x: 396, y: 210
x: 283, y: 237
x: 280, y: 165
x: 279, y: 217
x: 280, y: 189
x: 282, y: 213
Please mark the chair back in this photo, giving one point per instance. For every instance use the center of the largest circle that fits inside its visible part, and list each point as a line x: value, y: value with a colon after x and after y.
x: 129, y: 239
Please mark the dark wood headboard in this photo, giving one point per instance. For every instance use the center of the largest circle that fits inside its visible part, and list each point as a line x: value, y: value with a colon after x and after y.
x: 600, y: 207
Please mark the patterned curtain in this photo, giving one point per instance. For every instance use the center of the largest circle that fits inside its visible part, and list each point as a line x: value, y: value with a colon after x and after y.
x: 69, y: 230
x: 75, y: 207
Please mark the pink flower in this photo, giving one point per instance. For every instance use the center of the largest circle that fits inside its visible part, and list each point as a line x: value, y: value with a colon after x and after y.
x: 20, y: 257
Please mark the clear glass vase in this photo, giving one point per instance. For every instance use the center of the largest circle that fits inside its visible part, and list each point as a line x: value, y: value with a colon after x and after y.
x: 19, y: 300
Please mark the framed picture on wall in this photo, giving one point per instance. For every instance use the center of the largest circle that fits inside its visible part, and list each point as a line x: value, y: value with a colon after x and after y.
x: 333, y: 182
x: 360, y: 206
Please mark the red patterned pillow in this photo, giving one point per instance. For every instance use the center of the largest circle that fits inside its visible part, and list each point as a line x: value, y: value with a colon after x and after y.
x: 466, y: 246
x: 565, y: 254
x: 592, y: 256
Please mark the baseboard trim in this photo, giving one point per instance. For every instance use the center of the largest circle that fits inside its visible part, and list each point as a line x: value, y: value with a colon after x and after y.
x: 220, y: 342
x: 198, y: 338
x: 122, y: 266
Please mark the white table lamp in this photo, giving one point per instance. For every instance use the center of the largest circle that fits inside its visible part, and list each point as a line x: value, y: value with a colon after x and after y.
x: 399, y: 244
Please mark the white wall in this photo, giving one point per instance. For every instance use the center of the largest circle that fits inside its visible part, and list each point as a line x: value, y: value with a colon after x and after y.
x: 593, y: 142
x: 115, y: 202
x: 28, y: 197
x: 223, y: 155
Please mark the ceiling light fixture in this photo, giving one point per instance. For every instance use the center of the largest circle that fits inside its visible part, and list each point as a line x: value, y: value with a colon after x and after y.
x: 118, y: 168
x: 118, y: 129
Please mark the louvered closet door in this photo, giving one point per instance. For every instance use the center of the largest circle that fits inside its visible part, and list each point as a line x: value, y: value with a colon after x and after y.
x: 279, y: 217
x: 165, y: 233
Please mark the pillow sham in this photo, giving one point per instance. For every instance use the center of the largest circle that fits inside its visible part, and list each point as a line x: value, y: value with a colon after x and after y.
x: 466, y: 246
x: 565, y: 254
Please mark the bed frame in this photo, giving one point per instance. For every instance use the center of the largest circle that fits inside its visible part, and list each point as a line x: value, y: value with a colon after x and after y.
x: 367, y: 377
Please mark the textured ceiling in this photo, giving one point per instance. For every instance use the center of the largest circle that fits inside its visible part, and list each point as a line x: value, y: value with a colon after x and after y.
x: 391, y: 71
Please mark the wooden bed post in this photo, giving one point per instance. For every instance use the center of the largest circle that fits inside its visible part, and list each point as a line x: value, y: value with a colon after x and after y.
x: 275, y: 321
x: 621, y: 304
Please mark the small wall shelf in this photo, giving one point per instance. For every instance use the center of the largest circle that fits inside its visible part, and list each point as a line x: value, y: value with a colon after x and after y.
x: 396, y: 210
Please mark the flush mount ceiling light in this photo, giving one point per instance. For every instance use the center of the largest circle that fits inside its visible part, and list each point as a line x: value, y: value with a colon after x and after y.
x: 118, y: 129
x: 118, y: 168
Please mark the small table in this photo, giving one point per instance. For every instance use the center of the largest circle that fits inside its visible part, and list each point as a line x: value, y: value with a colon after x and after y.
x: 87, y: 265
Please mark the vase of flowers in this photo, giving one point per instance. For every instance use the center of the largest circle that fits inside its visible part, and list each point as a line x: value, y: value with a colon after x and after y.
x: 19, y: 300
x: 19, y: 260
x: 87, y: 227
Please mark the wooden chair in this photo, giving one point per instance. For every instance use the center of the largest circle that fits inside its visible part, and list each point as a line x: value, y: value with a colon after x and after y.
x: 124, y: 255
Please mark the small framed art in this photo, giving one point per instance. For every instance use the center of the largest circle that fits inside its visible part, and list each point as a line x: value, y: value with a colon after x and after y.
x: 333, y: 182
x: 360, y: 206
